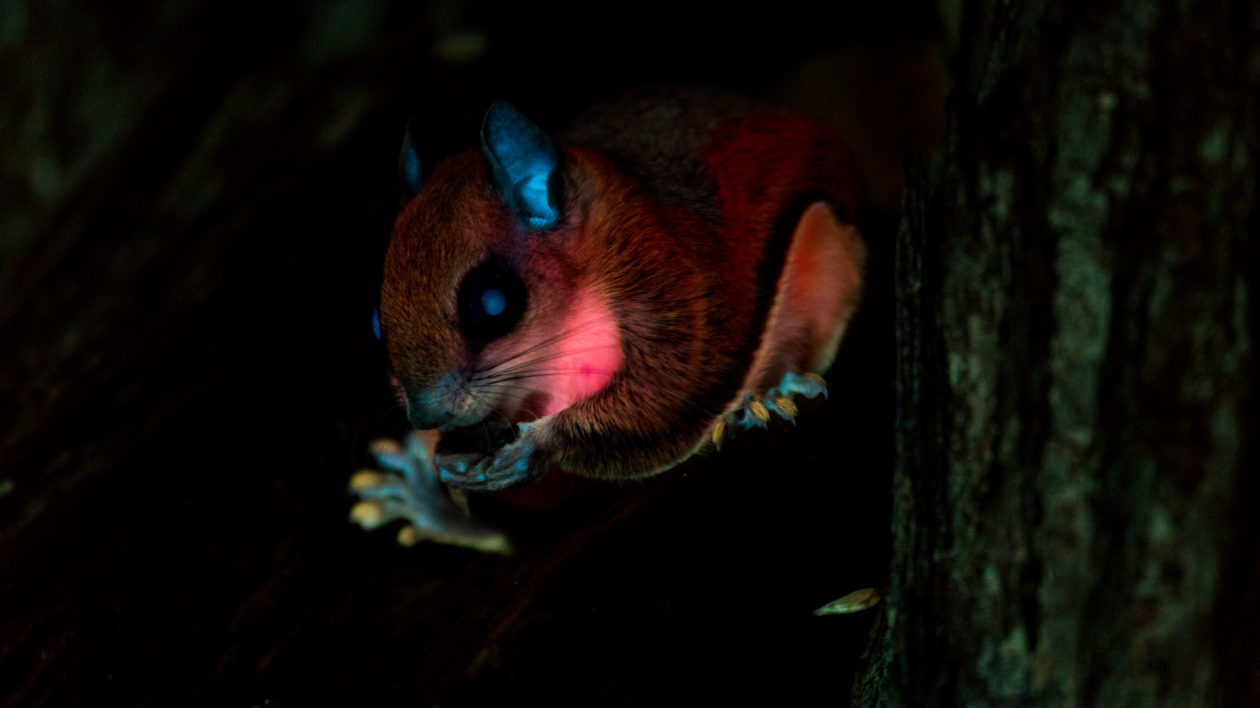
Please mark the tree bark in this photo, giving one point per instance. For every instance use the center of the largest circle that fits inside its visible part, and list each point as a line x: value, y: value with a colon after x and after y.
x: 1076, y: 282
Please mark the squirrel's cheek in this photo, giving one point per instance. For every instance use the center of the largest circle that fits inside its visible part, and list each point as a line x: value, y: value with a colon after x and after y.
x: 587, y: 353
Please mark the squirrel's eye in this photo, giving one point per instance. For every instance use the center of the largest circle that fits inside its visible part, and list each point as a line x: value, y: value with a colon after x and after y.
x: 491, y: 301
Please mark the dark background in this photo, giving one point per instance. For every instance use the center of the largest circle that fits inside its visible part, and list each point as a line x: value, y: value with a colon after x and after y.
x: 196, y: 199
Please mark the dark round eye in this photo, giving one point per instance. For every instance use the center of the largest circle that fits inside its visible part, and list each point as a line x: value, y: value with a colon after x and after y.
x: 491, y: 301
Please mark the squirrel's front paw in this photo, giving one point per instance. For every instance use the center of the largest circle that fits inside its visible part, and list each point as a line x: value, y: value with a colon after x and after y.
x: 757, y: 410
x: 511, y: 464
x: 407, y: 488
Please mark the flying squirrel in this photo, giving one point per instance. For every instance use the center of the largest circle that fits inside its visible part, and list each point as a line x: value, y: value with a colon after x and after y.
x: 677, y: 265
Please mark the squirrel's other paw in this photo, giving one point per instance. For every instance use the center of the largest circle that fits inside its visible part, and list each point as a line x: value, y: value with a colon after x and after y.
x: 407, y: 488
x: 511, y: 464
x: 758, y: 410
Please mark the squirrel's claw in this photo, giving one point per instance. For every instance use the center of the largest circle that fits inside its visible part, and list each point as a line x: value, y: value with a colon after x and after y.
x: 807, y: 385
x: 757, y: 410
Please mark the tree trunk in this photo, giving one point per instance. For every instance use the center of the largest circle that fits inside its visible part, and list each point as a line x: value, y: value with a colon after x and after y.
x: 1076, y: 272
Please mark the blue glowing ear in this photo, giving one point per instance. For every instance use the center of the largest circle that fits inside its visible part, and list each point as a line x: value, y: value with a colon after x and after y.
x: 409, y: 162
x: 524, y: 161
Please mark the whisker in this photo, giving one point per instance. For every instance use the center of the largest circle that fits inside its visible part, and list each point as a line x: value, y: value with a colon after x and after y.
x: 489, y: 372
x: 540, y: 375
x: 559, y: 337
x: 540, y: 371
x: 533, y: 412
x: 513, y: 387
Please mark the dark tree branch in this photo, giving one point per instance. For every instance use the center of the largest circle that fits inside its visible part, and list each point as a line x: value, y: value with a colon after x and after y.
x: 1076, y: 324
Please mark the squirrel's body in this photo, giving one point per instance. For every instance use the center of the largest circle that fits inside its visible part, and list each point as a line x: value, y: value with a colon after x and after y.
x: 671, y: 263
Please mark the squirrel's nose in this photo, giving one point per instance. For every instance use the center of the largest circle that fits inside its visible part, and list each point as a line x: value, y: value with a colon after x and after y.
x: 424, y: 419
x: 423, y: 413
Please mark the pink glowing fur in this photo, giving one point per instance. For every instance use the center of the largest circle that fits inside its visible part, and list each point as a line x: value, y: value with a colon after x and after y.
x: 576, y: 360
x: 585, y: 360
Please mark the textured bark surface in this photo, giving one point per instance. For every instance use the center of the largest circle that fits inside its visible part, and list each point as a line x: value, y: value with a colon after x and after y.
x: 1073, y: 506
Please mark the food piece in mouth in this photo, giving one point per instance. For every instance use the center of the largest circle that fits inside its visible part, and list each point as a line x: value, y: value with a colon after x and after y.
x: 490, y: 434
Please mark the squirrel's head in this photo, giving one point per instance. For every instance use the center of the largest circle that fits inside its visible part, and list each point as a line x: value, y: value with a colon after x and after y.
x: 481, y: 288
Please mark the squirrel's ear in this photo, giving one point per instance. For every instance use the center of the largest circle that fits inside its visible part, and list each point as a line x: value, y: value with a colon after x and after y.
x: 409, y: 162
x: 524, y: 161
